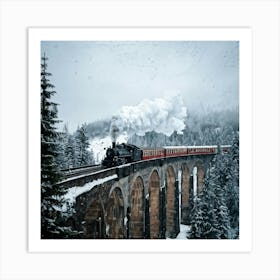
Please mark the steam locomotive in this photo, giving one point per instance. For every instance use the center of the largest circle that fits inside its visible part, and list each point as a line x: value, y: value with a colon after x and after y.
x: 125, y: 153
x: 121, y: 154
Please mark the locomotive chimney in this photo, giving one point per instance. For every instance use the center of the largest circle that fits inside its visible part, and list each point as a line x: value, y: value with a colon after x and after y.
x: 114, y: 130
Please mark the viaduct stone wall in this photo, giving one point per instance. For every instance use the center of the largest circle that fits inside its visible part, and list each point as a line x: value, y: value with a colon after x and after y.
x: 148, y: 199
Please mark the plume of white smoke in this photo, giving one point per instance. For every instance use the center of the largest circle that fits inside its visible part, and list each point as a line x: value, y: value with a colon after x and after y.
x: 163, y: 115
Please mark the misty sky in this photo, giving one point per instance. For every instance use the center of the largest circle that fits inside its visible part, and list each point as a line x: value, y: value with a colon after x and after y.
x: 93, y: 80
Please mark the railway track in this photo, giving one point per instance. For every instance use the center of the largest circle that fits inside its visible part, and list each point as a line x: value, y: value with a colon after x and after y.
x: 77, y: 171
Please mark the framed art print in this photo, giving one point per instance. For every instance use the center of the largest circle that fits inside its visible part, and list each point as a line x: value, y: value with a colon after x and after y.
x: 139, y: 139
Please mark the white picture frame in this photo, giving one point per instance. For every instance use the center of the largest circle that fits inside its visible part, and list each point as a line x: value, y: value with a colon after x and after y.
x: 16, y: 261
x: 243, y: 35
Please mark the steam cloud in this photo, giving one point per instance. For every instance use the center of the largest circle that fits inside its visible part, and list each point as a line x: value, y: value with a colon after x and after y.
x: 163, y: 115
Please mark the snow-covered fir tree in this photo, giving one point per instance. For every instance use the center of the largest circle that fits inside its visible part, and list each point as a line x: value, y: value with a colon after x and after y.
x: 67, y: 141
x: 52, y: 218
x: 69, y: 152
x: 210, y: 216
x: 62, y: 140
x: 83, y: 155
x: 203, y: 218
x: 49, y: 135
x: 222, y: 219
x: 232, y: 186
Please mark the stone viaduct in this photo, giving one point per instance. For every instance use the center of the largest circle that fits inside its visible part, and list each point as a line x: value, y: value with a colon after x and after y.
x: 147, y: 199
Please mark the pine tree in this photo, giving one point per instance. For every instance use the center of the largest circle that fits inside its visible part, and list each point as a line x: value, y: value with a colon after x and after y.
x: 222, y: 221
x: 210, y: 217
x: 83, y: 156
x: 62, y: 140
x: 50, y: 174
x: 69, y: 152
x: 219, y: 178
x: 203, y: 218
x: 67, y: 159
x: 232, y: 186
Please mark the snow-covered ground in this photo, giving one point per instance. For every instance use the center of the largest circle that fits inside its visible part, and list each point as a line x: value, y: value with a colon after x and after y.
x: 184, y: 230
x: 99, y: 146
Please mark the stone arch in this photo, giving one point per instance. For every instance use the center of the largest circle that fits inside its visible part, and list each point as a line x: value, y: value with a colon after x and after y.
x: 137, y: 209
x: 170, y: 203
x: 185, y: 193
x: 154, y: 189
x: 94, y: 225
x: 115, y: 215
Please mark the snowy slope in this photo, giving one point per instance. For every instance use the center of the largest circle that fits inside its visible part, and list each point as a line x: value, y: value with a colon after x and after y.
x: 184, y: 231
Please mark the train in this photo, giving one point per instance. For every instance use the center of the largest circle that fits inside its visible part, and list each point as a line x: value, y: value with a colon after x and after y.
x: 124, y: 153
